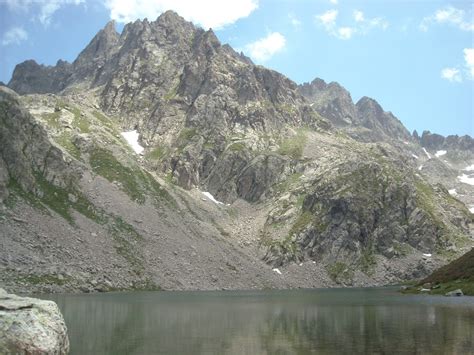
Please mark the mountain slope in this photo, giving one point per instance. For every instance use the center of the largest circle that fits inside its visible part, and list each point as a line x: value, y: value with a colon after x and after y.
x: 325, y: 203
x: 459, y: 274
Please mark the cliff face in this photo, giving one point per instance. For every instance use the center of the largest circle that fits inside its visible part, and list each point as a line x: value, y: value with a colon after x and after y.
x: 300, y: 174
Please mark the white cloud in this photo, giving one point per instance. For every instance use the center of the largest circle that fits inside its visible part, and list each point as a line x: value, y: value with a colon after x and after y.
x: 449, y: 15
x: 451, y: 74
x: 264, y: 48
x: 295, y: 22
x: 362, y: 25
x: 207, y: 13
x: 345, y: 32
x: 46, y: 8
x: 14, y: 35
x: 358, y: 16
x: 327, y: 19
x: 455, y: 75
x: 334, y: 2
x: 469, y: 59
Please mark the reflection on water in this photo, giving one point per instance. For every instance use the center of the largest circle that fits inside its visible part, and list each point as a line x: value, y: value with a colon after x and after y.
x: 342, y: 321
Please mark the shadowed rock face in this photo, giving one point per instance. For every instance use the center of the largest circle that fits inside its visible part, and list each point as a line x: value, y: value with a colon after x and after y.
x: 31, y: 326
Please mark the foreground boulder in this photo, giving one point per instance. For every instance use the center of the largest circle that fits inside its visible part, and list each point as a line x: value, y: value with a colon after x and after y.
x: 31, y: 326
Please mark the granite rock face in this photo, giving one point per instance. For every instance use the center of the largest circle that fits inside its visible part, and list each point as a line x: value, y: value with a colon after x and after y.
x: 31, y: 326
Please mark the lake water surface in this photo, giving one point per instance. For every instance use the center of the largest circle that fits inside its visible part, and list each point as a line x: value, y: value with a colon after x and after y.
x: 325, y: 321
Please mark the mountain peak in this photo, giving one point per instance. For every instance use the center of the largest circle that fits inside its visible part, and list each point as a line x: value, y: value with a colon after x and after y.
x: 100, y: 45
x: 171, y: 19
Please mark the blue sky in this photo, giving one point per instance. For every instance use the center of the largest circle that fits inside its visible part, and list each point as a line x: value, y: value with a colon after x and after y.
x: 416, y: 58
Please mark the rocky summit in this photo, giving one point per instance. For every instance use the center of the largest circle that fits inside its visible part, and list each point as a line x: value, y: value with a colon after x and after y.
x: 163, y: 159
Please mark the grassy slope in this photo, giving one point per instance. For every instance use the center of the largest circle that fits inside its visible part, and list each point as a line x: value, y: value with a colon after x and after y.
x: 457, y: 274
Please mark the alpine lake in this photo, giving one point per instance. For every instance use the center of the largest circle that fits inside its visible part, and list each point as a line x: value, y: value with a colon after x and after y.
x: 319, y: 321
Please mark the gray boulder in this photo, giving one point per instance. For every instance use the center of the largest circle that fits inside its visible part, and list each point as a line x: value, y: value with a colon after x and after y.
x: 31, y: 326
x: 455, y: 293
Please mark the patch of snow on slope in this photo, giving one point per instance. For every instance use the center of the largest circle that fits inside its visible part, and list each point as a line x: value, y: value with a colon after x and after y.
x: 471, y: 209
x: 415, y: 156
x: 440, y: 153
x: 469, y: 168
x: 467, y: 179
x: 453, y: 192
x: 210, y: 197
x: 277, y: 271
x: 420, y: 167
x: 427, y: 154
x: 132, y: 139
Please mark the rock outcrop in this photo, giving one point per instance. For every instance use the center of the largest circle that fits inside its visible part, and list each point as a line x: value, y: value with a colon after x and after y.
x: 31, y: 326
x: 26, y: 151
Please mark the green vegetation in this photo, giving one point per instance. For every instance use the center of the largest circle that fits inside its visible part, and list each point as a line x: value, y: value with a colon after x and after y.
x: 236, y: 147
x: 104, y: 163
x: 294, y: 146
x: 172, y: 93
x: 125, y: 237
x: 340, y: 272
x: 62, y: 201
x: 301, y: 222
x: 17, y: 192
x: 459, y: 274
x: 367, y: 261
x: 186, y: 134
x: 158, y: 153
x: 106, y: 122
x: 285, y: 185
x: 287, y: 109
x: 286, y: 246
x: 402, y: 249
x: 46, y: 279
x: 52, y: 119
x: 65, y: 141
x: 136, y: 183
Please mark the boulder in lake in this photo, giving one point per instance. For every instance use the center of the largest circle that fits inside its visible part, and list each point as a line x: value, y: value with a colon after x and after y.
x: 31, y: 326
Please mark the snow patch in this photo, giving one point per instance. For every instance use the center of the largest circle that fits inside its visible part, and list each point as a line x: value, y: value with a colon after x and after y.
x: 210, y: 197
x: 427, y: 255
x: 453, y: 192
x: 440, y: 153
x: 415, y: 156
x: 467, y: 179
x: 405, y: 142
x: 471, y: 209
x: 132, y: 139
x: 277, y: 271
x: 427, y: 154
x: 469, y: 168
x: 420, y: 167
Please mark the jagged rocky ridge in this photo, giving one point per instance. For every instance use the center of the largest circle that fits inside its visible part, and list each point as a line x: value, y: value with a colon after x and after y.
x: 328, y: 181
